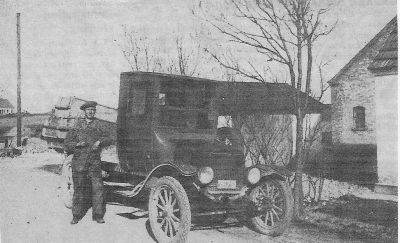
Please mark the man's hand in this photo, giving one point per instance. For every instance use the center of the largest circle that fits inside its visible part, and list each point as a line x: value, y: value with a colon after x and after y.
x: 96, y: 145
x: 81, y: 144
x: 104, y: 174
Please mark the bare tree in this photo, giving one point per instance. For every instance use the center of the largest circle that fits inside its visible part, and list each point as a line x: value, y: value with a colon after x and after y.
x: 266, y: 138
x: 142, y: 54
x: 313, y: 146
x: 187, y: 58
x: 137, y: 52
x: 313, y: 143
x: 284, y: 33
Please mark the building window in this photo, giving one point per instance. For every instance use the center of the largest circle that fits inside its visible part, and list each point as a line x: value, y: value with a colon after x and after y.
x: 359, y: 118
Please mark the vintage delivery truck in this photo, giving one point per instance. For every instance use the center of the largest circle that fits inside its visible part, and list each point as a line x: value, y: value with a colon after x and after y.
x: 170, y: 137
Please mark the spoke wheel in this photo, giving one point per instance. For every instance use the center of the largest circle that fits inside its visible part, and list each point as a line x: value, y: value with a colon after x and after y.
x: 274, y: 207
x: 169, y: 211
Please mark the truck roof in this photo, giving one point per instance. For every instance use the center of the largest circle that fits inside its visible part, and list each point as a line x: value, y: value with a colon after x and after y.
x: 250, y: 97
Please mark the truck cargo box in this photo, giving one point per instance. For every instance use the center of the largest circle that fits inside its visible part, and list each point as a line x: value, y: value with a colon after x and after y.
x: 63, y: 116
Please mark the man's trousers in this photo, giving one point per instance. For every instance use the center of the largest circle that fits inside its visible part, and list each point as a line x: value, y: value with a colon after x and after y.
x: 88, y: 191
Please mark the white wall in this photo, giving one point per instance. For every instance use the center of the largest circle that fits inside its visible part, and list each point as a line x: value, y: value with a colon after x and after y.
x: 386, y: 128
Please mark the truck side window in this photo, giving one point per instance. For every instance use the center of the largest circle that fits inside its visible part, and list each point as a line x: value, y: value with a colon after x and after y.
x: 202, y: 121
x: 176, y: 98
x: 138, y: 102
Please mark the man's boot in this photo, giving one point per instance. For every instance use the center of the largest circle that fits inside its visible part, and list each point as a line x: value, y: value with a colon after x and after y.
x: 99, y: 220
x: 74, y: 220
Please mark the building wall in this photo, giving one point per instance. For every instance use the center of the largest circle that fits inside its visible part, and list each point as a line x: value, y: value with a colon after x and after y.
x: 386, y: 128
x: 354, y: 91
x: 355, y: 86
x: 372, y: 151
x: 4, y: 111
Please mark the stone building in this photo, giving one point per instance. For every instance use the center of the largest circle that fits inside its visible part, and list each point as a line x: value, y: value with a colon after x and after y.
x: 364, y: 108
x: 6, y: 107
x: 384, y: 69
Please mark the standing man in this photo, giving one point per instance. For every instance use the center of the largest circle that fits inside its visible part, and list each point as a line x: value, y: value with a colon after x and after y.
x: 85, y: 141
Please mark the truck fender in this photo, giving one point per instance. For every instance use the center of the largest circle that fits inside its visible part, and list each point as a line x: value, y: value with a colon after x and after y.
x: 171, y: 168
x: 166, y: 169
x: 276, y: 171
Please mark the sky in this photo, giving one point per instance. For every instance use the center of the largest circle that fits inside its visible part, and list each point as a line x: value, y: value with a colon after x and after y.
x: 73, y: 47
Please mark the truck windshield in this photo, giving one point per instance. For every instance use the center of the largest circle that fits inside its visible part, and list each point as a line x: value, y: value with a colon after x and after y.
x: 225, y: 132
x: 225, y: 121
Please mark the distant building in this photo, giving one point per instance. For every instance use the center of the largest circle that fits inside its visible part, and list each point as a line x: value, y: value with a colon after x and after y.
x: 6, y: 107
x: 32, y: 125
x: 364, y: 109
x: 8, y: 136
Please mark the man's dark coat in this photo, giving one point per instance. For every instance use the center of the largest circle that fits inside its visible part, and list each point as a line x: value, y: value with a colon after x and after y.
x: 86, y: 166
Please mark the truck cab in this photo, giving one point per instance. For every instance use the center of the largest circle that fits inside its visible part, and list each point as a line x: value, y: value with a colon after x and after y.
x: 169, y: 133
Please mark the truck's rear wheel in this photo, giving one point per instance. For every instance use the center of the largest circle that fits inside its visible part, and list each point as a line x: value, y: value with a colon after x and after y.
x: 274, y: 207
x: 169, y: 211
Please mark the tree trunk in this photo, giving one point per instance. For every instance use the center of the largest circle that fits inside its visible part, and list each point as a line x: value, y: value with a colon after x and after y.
x: 298, y: 183
x: 321, y: 185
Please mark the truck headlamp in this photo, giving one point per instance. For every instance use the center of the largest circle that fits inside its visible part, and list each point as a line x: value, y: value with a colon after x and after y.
x: 254, y: 175
x: 206, y: 175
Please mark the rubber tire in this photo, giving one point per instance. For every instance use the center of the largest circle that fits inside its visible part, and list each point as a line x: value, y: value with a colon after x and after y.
x: 67, y: 186
x: 184, y: 206
x: 280, y: 227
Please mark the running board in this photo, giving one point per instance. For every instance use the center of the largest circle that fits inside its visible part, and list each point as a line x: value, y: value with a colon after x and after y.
x: 220, y: 212
x: 119, y: 184
x: 131, y: 193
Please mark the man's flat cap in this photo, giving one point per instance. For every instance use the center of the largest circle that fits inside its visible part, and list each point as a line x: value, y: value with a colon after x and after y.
x: 88, y: 104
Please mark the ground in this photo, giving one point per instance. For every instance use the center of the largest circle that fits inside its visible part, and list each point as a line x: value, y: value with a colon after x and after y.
x: 31, y: 211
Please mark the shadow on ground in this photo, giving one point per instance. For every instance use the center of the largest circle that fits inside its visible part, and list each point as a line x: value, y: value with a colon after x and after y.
x: 139, y: 206
x: 371, y: 211
x: 356, y: 218
x: 139, y: 210
x: 52, y: 168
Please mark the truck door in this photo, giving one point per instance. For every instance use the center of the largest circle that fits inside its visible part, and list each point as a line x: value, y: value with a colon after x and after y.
x: 134, y: 125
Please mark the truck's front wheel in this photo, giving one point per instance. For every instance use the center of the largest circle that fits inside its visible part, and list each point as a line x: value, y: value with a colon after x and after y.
x: 169, y: 211
x: 274, y: 207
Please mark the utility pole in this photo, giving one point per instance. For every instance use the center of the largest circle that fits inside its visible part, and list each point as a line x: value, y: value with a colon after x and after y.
x: 19, y: 115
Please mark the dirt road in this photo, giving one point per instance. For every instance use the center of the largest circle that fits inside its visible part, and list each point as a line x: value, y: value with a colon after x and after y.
x: 31, y: 211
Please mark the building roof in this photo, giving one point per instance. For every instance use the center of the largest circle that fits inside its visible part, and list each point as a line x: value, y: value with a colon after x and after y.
x: 386, y: 59
x: 388, y: 30
x: 4, y: 103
